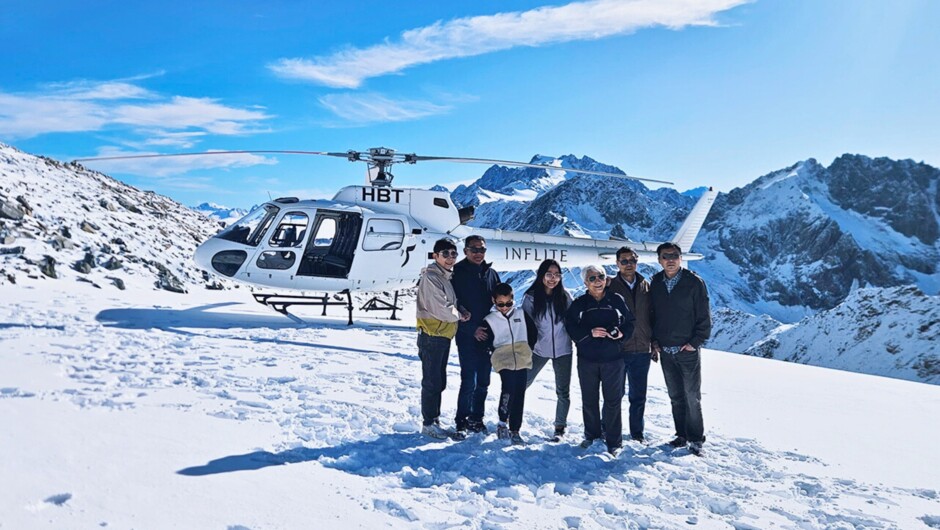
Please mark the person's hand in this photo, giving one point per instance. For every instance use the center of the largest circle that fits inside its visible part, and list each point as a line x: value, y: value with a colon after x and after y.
x: 599, y: 333
x: 687, y: 347
x: 480, y: 334
x: 654, y: 355
x: 464, y: 316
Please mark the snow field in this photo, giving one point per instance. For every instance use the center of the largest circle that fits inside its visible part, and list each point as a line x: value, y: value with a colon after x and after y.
x: 147, y: 409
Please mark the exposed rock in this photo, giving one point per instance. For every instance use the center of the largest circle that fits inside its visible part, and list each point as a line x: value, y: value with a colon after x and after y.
x: 167, y: 280
x: 86, y: 280
x: 66, y: 232
x: 9, y: 210
x: 27, y: 209
x: 113, y: 264
x: 107, y: 205
x: 127, y: 205
x: 117, y: 282
x: 90, y: 227
x: 60, y: 243
x: 47, y: 266
x: 12, y: 250
x: 85, y: 264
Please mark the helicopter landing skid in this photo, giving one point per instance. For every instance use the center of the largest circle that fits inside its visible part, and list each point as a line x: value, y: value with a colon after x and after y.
x: 377, y: 304
x: 280, y: 303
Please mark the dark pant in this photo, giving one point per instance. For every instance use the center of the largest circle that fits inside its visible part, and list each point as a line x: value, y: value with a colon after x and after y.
x: 512, y: 397
x: 607, y: 378
x: 683, y: 374
x: 433, y: 352
x: 562, y: 367
x: 475, y: 368
x: 637, y: 366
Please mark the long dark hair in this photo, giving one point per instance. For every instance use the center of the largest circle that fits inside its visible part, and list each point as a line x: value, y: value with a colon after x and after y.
x: 558, y: 299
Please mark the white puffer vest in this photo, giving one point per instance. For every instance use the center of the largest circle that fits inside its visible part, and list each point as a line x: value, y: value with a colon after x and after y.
x: 510, y: 341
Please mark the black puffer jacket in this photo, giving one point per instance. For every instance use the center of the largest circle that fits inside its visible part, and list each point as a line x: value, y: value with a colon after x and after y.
x: 587, y: 313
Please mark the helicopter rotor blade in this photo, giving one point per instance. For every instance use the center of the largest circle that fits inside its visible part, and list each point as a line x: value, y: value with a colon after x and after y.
x: 419, y: 158
x: 210, y: 153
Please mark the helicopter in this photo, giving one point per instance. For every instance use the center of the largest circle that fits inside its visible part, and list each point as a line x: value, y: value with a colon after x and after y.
x: 377, y: 238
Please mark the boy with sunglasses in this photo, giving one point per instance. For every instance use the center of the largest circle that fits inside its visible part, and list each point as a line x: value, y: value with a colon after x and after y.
x: 681, y: 322
x: 511, y: 334
x: 437, y: 317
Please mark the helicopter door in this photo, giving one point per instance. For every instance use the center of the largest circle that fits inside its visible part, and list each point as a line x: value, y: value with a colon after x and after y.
x: 280, y: 253
x: 332, y: 244
x: 386, y: 248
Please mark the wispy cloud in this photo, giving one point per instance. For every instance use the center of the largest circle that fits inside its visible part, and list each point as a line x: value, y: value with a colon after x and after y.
x: 86, y: 106
x: 464, y: 37
x: 173, y: 165
x: 361, y: 109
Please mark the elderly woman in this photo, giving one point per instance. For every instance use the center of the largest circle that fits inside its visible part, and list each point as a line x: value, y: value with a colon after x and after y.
x: 597, y: 321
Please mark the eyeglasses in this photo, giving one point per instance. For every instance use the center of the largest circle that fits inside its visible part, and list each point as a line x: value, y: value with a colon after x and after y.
x: 448, y: 253
x: 597, y: 278
x: 628, y: 262
x: 476, y: 250
x: 504, y: 304
x: 552, y: 275
x: 673, y: 255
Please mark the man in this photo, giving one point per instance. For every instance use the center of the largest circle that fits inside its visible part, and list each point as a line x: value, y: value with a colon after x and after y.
x: 681, y: 322
x: 635, y: 290
x: 474, y: 282
x: 437, y: 317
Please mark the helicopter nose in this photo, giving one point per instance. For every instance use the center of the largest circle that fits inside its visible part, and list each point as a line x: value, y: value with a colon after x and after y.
x: 220, y: 257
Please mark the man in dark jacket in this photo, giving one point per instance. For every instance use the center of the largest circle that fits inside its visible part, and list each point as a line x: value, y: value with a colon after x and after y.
x: 474, y: 281
x: 681, y: 322
x: 634, y: 289
x: 597, y: 321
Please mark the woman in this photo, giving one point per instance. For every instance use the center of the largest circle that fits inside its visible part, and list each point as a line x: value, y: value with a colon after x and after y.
x: 546, y: 302
x: 597, y: 321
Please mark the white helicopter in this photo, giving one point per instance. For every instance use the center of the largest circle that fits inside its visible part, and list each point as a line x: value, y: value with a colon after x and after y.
x: 377, y: 238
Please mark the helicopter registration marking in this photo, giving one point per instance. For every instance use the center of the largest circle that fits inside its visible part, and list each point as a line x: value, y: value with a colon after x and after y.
x: 381, y: 195
x: 536, y: 254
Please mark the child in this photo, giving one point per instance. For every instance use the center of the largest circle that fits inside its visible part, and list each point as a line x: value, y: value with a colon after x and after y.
x: 510, y: 336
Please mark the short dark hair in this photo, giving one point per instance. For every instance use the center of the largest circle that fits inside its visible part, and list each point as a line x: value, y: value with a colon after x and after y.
x: 502, y: 289
x: 472, y: 239
x: 625, y: 250
x: 667, y: 246
x: 444, y: 244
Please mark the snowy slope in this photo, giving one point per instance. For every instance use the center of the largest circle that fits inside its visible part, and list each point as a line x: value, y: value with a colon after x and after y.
x: 206, y: 411
x: 63, y: 221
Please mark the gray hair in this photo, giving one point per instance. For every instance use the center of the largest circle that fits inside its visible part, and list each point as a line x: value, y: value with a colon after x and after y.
x: 586, y: 271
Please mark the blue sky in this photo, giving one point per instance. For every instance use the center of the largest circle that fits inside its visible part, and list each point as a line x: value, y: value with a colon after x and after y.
x: 710, y: 92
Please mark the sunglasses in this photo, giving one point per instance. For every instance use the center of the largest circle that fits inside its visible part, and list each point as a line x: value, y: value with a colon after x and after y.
x: 598, y: 278
x: 552, y: 275
x: 504, y: 304
x: 673, y: 255
x: 628, y: 262
x: 448, y: 253
x: 476, y: 250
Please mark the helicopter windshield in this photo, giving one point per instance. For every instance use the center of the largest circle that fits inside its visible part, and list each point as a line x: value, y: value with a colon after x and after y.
x: 251, y: 228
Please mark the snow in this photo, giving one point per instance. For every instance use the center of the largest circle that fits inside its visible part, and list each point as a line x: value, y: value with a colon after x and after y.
x: 149, y: 409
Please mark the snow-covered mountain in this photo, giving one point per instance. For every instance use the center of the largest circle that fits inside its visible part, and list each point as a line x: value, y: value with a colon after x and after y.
x: 220, y: 213
x: 63, y: 221
x: 795, y: 244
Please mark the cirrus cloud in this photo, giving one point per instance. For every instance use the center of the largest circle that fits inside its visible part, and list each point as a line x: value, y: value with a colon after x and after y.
x: 465, y: 37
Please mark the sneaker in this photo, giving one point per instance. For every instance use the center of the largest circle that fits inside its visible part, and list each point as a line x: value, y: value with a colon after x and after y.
x: 559, y: 433
x: 696, y: 448
x: 639, y: 438
x: 586, y: 443
x: 614, y: 451
x: 460, y: 435
x: 502, y: 431
x: 678, y: 442
x: 435, y: 431
x: 516, y: 438
x: 477, y: 427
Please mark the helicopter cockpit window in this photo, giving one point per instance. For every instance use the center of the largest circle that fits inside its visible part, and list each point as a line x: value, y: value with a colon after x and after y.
x: 251, y: 228
x: 383, y: 234
x: 326, y: 230
x: 290, y: 231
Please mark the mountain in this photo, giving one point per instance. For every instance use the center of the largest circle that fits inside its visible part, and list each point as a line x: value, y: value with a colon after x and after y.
x: 801, y: 239
x: 63, y: 221
x: 796, y: 261
x: 223, y: 214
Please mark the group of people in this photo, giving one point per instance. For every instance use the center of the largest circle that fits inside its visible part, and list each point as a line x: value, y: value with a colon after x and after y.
x: 618, y: 327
